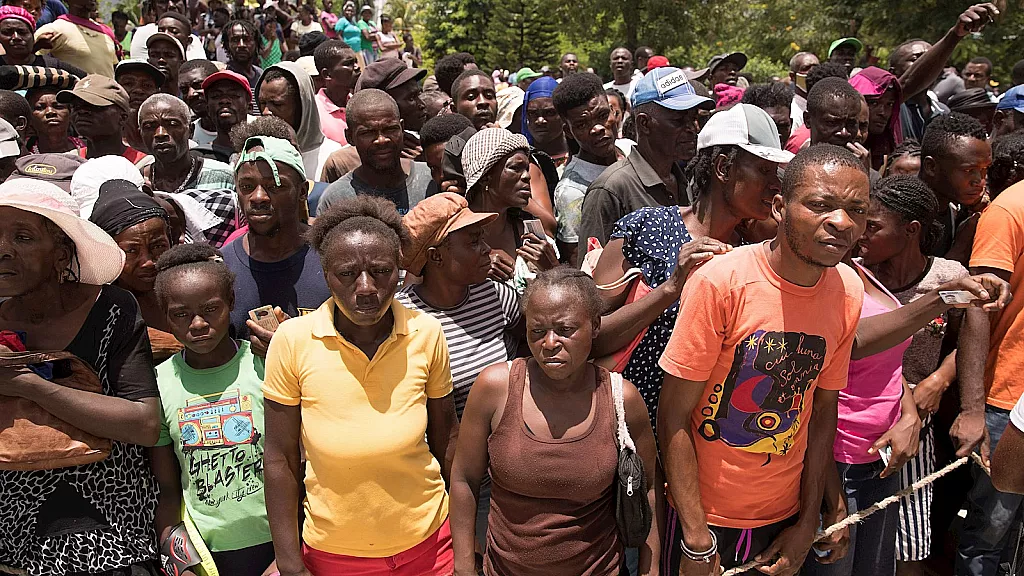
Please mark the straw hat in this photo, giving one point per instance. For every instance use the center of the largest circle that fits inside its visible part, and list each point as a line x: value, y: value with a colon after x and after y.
x: 99, y: 257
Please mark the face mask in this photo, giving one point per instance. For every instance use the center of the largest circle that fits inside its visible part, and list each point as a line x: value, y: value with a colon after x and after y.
x: 801, y: 81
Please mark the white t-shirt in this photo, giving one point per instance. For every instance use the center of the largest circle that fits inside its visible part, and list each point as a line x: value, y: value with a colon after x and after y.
x: 627, y: 88
x: 383, y: 39
x: 298, y: 28
x: 141, y: 35
x: 796, y: 111
x: 1017, y: 414
x: 201, y: 136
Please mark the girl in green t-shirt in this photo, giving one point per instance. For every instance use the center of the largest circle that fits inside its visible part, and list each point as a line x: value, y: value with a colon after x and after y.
x: 210, y: 452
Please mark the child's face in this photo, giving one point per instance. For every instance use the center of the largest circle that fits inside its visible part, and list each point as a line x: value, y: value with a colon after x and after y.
x: 198, y: 310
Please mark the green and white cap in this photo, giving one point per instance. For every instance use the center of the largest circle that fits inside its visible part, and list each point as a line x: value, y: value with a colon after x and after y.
x: 748, y: 127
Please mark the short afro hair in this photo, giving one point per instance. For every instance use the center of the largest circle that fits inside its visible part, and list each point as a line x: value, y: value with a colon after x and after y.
x: 328, y: 53
x: 817, y: 155
x: 13, y: 105
x: 368, y: 99
x: 773, y: 95
x: 1007, y: 162
x: 181, y: 18
x: 982, y: 60
x: 898, y: 51
x: 206, y: 67
x: 276, y: 74
x: 1017, y: 73
x: 576, y: 90
x: 461, y: 79
x: 941, y: 132
x: 448, y: 69
x: 825, y: 70
x: 261, y: 126
x: 194, y: 258
x: 364, y: 213
x: 567, y: 278
x: 829, y: 89
x: 441, y: 128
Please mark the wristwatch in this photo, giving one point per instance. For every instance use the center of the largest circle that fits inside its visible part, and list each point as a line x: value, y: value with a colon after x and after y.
x: 704, y: 557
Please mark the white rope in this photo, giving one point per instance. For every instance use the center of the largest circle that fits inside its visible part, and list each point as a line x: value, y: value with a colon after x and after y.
x: 858, y: 517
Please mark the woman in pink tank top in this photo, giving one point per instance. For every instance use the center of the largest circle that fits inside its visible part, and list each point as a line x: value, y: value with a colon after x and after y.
x: 878, y: 426
x: 544, y: 427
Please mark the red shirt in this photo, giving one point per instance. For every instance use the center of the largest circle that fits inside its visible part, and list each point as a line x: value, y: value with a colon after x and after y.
x: 130, y: 153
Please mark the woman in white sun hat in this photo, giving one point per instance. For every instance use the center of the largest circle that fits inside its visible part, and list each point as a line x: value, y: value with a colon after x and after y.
x: 55, y: 275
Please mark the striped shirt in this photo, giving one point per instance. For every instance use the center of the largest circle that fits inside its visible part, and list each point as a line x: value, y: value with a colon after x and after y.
x: 476, y: 331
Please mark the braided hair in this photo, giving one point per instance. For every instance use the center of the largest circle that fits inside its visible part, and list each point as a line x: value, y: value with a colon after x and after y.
x: 1007, y: 157
x: 190, y: 259
x: 911, y: 199
x: 250, y: 30
x: 700, y: 171
x: 571, y: 279
x: 908, y: 147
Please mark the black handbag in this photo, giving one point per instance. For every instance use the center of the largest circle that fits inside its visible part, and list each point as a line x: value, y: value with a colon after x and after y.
x: 632, y: 510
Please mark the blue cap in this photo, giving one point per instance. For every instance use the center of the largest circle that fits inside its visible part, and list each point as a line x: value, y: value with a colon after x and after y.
x: 1012, y: 100
x: 668, y: 87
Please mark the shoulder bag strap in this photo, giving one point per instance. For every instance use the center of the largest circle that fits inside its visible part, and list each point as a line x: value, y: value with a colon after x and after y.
x: 622, y: 432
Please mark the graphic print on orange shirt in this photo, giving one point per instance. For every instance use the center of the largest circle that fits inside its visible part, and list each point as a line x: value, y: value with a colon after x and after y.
x: 757, y: 409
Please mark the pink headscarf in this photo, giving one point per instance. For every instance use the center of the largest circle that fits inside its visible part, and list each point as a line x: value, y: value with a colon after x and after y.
x: 18, y: 13
x: 872, y: 82
x: 726, y: 95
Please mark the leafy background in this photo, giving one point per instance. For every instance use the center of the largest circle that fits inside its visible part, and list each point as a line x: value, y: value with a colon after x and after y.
x: 514, y: 33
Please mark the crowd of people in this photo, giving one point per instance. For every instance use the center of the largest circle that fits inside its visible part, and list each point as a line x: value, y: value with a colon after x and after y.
x: 277, y: 300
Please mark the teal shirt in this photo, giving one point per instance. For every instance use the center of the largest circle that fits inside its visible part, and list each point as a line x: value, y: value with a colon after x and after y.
x: 214, y: 420
x: 350, y: 33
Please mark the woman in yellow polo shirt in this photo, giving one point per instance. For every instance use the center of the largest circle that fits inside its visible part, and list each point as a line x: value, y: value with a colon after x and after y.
x: 366, y: 384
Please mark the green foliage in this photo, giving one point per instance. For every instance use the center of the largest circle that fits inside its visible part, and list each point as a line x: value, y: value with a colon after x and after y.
x: 456, y: 26
x: 521, y: 33
x: 689, y: 32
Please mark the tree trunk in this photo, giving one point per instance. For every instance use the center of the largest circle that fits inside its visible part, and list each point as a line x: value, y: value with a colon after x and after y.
x: 631, y: 23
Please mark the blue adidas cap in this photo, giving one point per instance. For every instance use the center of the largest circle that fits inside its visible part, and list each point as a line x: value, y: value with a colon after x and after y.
x: 1012, y: 100
x: 668, y: 87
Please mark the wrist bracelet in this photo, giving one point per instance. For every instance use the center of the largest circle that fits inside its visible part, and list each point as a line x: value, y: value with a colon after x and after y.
x: 704, y: 557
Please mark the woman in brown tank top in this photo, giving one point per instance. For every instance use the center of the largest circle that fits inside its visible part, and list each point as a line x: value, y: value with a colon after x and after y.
x: 545, y: 428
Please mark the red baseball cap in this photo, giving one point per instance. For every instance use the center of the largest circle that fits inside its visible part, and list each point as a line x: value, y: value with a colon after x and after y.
x: 656, y: 62
x: 227, y: 75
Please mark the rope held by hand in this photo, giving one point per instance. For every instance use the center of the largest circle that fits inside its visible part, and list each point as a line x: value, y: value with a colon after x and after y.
x: 885, y: 502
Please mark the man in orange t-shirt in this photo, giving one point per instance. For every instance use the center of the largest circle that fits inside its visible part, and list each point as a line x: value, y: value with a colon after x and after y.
x: 747, y: 414
x: 998, y: 249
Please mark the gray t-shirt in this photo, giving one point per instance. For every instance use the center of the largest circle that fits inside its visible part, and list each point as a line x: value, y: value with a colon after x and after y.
x: 569, y: 193
x: 405, y: 197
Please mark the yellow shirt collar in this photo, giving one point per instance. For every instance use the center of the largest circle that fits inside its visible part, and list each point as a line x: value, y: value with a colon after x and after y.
x: 323, y: 321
